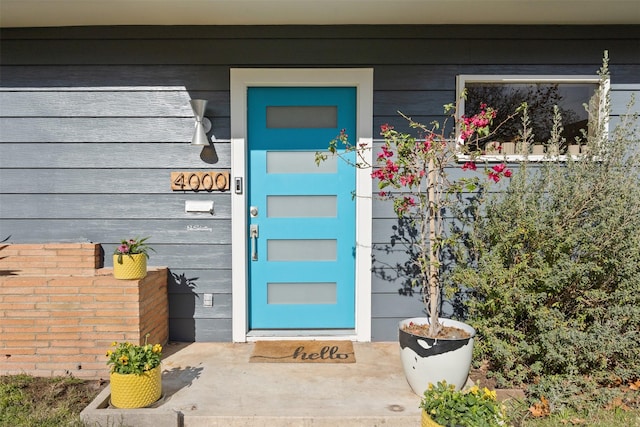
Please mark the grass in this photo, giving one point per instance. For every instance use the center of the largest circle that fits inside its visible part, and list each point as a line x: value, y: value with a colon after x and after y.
x: 597, y: 418
x: 520, y: 416
x: 44, y: 402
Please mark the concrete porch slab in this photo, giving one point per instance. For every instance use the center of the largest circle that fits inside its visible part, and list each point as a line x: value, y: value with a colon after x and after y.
x: 214, y: 385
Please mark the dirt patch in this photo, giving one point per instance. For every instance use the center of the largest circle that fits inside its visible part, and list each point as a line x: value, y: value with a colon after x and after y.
x: 27, y: 400
x: 447, y: 332
x: 480, y: 378
x: 76, y: 393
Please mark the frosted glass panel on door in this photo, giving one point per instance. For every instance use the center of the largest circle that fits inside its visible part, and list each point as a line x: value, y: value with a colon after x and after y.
x: 299, y: 162
x: 301, y: 250
x: 300, y: 117
x: 302, y: 206
x: 301, y: 293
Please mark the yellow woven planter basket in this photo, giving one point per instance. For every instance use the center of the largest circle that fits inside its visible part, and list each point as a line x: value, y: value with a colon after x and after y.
x: 136, y: 391
x: 427, y: 421
x: 132, y: 267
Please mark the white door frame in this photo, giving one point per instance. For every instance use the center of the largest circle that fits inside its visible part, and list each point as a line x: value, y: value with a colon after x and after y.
x: 240, y: 80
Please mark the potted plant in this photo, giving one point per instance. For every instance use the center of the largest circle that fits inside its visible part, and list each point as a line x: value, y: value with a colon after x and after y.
x: 443, y: 405
x: 135, y: 377
x: 413, y: 172
x: 130, y: 259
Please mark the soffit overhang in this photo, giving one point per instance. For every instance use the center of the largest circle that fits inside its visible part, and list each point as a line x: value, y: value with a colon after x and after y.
x: 64, y: 13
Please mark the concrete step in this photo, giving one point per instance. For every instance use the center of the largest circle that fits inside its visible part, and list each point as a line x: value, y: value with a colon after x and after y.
x: 213, y: 384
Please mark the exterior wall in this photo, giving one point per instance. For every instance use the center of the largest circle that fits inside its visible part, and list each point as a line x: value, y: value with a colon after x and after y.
x: 94, y: 119
x: 61, y: 320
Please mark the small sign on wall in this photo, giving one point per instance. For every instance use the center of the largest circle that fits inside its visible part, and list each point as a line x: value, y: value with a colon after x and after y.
x: 200, y: 181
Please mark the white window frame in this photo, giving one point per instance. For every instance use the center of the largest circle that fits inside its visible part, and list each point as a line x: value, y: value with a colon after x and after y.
x: 240, y: 80
x: 463, y: 79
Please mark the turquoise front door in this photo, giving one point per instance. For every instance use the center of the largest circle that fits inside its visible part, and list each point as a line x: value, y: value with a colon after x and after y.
x: 301, y: 218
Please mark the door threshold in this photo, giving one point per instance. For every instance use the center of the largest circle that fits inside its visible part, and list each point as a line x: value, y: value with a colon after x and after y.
x: 304, y: 334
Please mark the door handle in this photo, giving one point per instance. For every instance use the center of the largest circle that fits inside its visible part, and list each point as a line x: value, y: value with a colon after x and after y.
x: 253, y: 233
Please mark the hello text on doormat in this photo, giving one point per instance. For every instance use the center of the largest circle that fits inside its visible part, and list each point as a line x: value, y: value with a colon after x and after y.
x: 303, y: 352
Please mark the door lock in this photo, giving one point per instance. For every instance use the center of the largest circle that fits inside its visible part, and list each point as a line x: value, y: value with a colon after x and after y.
x: 253, y: 211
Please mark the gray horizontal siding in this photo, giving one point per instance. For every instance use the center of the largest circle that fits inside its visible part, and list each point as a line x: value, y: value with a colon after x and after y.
x: 112, y: 155
x: 621, y: 96
x: 93, y: 120
x: 108, y: 102
x: 102, y: 206
x: 193, y: 231
x: 183, y: 302
x: 89, y: 129
x: 214, y: 80
x: 131, y: 181
x: 305, y: 51
x: 198, y: 329
x: 199, y: 281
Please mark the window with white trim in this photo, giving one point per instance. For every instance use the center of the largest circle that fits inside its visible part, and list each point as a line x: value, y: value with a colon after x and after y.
x: 577, y: 97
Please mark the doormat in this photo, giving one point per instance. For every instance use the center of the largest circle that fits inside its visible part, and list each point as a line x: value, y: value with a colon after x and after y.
x: 303, y: 352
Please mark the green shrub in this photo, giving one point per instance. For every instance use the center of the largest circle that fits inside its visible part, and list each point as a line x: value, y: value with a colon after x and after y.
x: 552, y: 267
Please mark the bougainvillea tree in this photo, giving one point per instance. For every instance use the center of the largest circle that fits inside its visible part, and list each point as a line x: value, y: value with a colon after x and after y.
x: 413, y: 171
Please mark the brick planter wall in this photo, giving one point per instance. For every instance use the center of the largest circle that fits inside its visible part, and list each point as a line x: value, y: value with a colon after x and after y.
x: 60, y: 312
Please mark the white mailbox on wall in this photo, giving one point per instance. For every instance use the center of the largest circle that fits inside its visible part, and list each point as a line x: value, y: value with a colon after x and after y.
x: 198, y: 206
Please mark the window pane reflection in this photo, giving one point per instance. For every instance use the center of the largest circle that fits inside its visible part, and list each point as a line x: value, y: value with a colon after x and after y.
x: 302, y: 206
x: 301, y: 250
x: 540, y: 97
x: 300, y: 117
x: 299, y: 162
x: 301, y: 293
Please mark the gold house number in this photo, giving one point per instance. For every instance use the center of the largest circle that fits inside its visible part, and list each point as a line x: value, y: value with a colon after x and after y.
x: 200, y: 181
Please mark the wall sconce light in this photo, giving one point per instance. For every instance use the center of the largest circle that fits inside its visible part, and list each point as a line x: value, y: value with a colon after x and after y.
x: 203, y: 125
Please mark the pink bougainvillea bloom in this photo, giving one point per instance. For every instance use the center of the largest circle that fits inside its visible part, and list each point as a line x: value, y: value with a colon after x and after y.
x: 385, y: 153
x: 499, y: 168
x: 494, y: 176
x: 480, y: 122
x: 407, y: 180
x: 379, y: 173
x: 385, y: 128
x: 406, y: 203
x: 465, y: 134
x: 507, y: 173
x: 469, y: 166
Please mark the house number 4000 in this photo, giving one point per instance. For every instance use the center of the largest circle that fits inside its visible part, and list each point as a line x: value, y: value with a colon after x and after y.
x: 200, y: 181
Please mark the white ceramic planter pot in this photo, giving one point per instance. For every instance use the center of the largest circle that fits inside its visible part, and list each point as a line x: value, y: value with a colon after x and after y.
x: 427, y: 360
